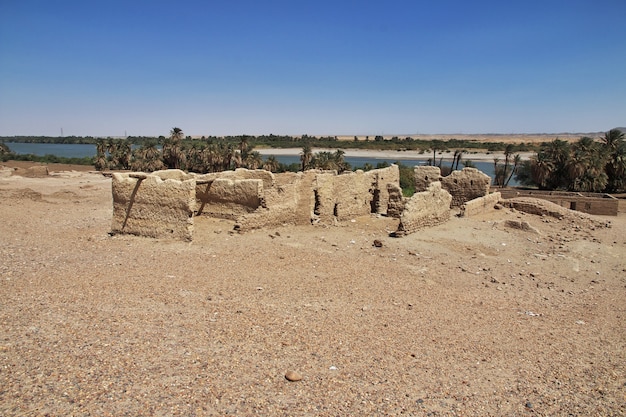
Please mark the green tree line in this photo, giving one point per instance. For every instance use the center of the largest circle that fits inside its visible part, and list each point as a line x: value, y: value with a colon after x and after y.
x: 584, y: 166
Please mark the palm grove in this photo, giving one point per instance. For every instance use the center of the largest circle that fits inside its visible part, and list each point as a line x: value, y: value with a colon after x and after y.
x: 586, y: 165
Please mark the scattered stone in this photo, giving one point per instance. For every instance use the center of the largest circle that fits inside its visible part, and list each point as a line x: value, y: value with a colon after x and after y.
x: 293, y: 376
x: 529, y: 405
x: 520, y: 225
x: 378, y: 243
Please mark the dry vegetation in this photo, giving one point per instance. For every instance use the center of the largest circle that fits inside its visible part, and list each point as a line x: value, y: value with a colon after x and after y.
x: 472, y: 317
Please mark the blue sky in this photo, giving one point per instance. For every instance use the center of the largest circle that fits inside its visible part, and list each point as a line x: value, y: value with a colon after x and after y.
x: 319, y: 67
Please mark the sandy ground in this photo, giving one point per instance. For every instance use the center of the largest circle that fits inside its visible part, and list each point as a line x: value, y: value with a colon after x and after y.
x: 395, y: 155
x: 468, y: 318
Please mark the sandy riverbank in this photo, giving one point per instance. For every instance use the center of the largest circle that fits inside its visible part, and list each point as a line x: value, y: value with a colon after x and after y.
x: 393, y: 155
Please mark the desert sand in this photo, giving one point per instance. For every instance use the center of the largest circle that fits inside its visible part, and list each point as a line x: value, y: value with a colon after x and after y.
x: 396, y: 155
x: 468, y: 318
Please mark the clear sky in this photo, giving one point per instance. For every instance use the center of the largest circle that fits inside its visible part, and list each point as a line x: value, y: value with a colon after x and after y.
x: 317, y: 67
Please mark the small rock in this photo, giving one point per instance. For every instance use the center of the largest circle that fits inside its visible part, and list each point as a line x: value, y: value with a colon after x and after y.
x: 529, y: 405
x: 378, y: 243
x: 293, y: 376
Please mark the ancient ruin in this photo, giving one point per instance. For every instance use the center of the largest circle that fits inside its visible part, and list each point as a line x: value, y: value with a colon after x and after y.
x: 590, y: 203
x: 159, y: 205
x: 163, y: 204
x: 464, y: 185
x: 425, y: 209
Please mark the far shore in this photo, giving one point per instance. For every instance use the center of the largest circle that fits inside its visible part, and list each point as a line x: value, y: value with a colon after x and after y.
x: 393, y: 155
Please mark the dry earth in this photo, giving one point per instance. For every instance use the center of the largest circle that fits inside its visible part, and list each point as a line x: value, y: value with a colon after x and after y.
x: 469, y: 318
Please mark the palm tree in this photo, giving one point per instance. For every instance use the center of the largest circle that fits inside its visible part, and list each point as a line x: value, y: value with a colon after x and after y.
x: 324, y: 160
x: 271, y: 164
x: 456, y: 158
x: 124, y: 154
x: 176, y: 134
x: 508, y: 151
x: 541, y: 167
x: 497, y: 172
x: 254, y: 160
x: 101, y: 162
x: 436, y: 145
x: 147, y: 158
x: 244, y: 147
x: 173, y: 155
x: 554, y: 155
x: 306, y: 156
x: 516, y: 162
x: 340, y: 163
x: 615, y: 167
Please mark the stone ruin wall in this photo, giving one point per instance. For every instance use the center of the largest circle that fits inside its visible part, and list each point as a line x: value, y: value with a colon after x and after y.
x: 464, y: 185
x: 480, y: 205
x: 590, y: 203
x: 163, y: 204
x: 159, y: 205
x: 322, y: 197
x: 425, y: 209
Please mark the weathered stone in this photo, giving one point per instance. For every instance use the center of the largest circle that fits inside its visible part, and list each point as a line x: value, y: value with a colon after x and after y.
x: 480, y: 205
x: 423, y: 209
x: 153, y: 207
x: 37, y: 171
x: 395, y: 207
x: 321, y: 197
x: 293, y: 376
x: 525, y: 226
x: 465, y: 185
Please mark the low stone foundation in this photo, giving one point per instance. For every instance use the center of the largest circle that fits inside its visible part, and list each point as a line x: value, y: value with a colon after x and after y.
x: 480, y: 205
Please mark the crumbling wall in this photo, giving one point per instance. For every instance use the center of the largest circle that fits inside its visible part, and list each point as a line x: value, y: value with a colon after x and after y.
x: 380, y: 179
x: 423, y: 176
x: 590, y: 203
x: 464, y: 185
x: 290, y: 201
x: 321, y: 197
x: 145, y: 204
x: 227, y: 199
x: 396, y: 201
x: 480, y: 205
x: 341, y: 197
x: 148, y: 205
x: 424, y: 209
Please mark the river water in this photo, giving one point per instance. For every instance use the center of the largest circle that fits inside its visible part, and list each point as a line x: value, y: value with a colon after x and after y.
x: 83, y: 150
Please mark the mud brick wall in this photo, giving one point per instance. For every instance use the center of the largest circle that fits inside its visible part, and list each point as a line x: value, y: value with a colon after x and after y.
x: 464, y: 185
x: 425, y: 209
x: 590, y: 203
x: 148, y: 205
x: 480, y: 205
